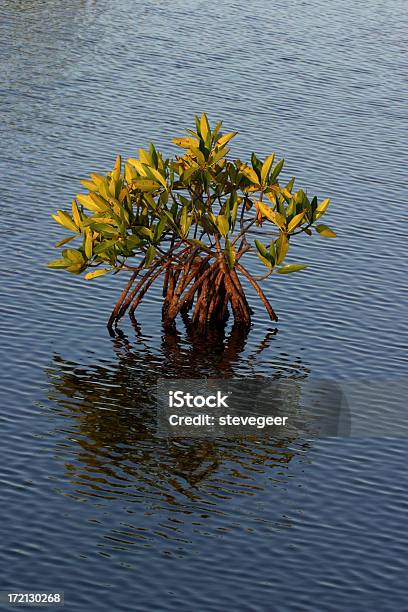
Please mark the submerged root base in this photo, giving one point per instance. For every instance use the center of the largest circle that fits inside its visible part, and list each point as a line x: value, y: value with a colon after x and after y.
x: 204, y: 293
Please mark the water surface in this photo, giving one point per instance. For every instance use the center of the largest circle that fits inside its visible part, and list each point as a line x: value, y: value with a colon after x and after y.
x: 92, y: 501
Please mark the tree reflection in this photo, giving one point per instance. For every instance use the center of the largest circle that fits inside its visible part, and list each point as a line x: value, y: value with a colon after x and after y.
x: 109, y: 418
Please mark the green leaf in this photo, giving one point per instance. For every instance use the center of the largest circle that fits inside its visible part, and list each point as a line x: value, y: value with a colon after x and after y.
x: 150, y: 254
x: 272, y: 252
x: 130, y: 172
x: 234, y: 213
x: 222, y: 224
x: 76, y: 268
x: 156, y: 176
x: 219, y: 155
x: 64, y: 241
x: 229, y: 253
x: 198, y: 154
x: 133, y: 242
x: 281, y: 246
x: 216, y: 130
x: 144, y: 231
x: 145, y: 185
x: 159, y: 229
x: 199, y: 243
x: 250, y: 174
x: 185, y: 221
x: 276, y: 170
x: 104, y: 246
x: 185, y: 143
x: 185, y: 177
x: 290, y: 185
x: 104, y: 228
x: 324, y: 230
x: 264, y: 255
x: 289, y: 268
x: 74, y: 255
x: 154, y: 155
x: 262, y: 249
x: 96, y: 273
x: 59, y: 264
x: 100, y: 202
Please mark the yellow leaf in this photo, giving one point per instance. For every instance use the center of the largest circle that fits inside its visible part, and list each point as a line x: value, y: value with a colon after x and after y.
x: 73, y: 255
x: 138, y: 165
x: 87, y: 201
x: 65, y: 220
x: 101, y: 183
x: 266, y: 167
x: 281, y: 246
x: 75, y: 268
x: 325, y: 231
x: 155, y: 175
x: 102, y: 204
x: 61, y: 243
x: 273, y: 216
x: 130, y: 172
x: 88, y: 244
x: 145, y: 157
x: 75, y: 214
x: 185, y: 143
x: 223, y: 140
x: 204, y: 126
x: 89, y: 185
x: 92, y: 275
x: 297, y: 219
x: 145, y: 185
x: 286, y: 193
x: 321, y: 209
x: 222, y: 224
x: 250, y: 174
x: 94, y: 219
x: 198, y: 154
x: 59, y: 264
x: 117, y: 168
x: 271, y: 195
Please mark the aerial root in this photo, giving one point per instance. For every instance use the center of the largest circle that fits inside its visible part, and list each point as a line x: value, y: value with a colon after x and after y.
x: 207, y: 287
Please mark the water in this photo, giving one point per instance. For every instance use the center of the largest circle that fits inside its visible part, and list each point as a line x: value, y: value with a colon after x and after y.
x: 92, y: 502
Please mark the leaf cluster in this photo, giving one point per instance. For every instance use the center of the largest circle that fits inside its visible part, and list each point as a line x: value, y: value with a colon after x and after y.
x: 200, y: 198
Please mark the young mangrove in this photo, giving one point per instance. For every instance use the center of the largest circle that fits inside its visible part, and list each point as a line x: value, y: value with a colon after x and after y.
x: 189, y: 220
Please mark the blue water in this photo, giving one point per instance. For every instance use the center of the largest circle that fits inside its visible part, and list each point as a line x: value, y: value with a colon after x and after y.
x: 92, y: 502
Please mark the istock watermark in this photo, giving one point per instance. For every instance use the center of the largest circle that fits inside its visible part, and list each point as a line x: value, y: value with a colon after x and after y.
x: 308, y: 407
x: 249, y: 407
x: 179, y: 399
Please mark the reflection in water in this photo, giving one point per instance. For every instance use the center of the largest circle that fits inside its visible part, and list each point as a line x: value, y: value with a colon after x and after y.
x: 110, y: 425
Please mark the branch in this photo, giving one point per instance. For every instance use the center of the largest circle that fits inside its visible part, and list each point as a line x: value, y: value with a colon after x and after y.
x: 258, y: 289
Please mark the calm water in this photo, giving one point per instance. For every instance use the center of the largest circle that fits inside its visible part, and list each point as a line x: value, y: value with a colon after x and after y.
x: 92, y: 502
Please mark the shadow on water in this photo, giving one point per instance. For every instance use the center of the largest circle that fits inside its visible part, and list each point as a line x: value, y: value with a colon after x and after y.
x: 109, y: 424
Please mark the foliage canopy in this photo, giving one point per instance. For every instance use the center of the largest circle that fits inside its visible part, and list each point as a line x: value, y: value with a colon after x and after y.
x: 191, y: 219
